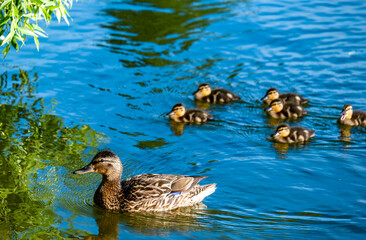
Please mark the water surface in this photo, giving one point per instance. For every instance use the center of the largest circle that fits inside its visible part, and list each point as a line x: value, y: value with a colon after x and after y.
x: 108, y: 79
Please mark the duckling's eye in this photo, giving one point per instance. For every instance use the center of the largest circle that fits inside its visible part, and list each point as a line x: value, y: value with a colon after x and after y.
x: 101, y: 160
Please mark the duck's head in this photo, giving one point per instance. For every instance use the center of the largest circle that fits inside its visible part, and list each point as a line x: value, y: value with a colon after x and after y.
x: 271, y: 94
x: 203, y: 90
x: 276, y: 105
x: 282, y: 130
x: 178, y: 110
x: 347, y: 112
x: 106, y: 163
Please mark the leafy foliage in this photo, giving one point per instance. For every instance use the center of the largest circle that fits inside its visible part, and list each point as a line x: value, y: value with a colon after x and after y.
x: 19, y: 19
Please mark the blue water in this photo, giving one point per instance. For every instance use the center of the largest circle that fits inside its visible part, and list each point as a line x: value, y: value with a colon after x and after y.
x: 120, y: 67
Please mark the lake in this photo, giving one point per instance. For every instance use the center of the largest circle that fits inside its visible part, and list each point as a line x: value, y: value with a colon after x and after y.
x: 108, y: 80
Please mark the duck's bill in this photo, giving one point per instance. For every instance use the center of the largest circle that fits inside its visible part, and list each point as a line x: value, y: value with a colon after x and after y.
x: 87, y: 169
x: 268, y: 109
x: 170, y: 113
x: 275, y: 134
x: 343, y: 116
x: 195, y: 92
x: 264, y: 98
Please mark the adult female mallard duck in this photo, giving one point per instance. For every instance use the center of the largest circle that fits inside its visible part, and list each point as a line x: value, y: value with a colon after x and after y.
x: 352, y: 118
x: 278, y: 109
x: 204, y: 93
x: 146, y: 192
x: 286, y: 134
x: 273, y: 94
x: 179, y: 113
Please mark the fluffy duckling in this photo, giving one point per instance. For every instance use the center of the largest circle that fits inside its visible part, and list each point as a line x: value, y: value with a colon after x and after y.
x: 273, y: 94
x: 146, y: 192
x: 352, y: 118
x: 179, y: 113
x: 286, y: 134
x: 204, y: 93
x: 278, y: 109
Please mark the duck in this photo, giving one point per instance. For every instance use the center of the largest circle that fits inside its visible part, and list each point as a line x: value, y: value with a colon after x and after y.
x: 146, y: 192
x: 286, y: 134
x: 273, y: 94
x: 204, y: 93
x: 179, y: 113
x: 278, y: 109
x: 352, y: 118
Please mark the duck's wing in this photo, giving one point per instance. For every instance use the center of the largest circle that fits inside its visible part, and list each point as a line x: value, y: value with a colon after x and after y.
x: 154, y: 186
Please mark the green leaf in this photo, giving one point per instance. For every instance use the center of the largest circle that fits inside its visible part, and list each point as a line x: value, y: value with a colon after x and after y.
x: 8, y: 38
x: 5, y: 3
x: 27, y: 31
x: 15, y: 44
x: 6, y: 50
x: 40, y: 34
x: 4, y: 21
x: 36, y: 42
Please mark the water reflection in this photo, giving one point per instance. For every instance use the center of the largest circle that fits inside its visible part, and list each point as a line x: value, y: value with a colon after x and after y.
x: 345, y: 133
x: 148, y: 32
x: 150, y: 224
x: 32, y: 144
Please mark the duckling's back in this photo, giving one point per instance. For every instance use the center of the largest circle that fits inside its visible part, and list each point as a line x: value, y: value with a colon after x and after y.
x: 221, y: 95
x: 293, y: 98
x: 196, y: 115
x: 299, y: 134
x: 359, y: 118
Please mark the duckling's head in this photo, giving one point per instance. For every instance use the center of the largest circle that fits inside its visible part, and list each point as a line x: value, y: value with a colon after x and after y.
x: 347, y: 112
x: 271, y: 94
x: 276, y: 105
x: 106, y: 163
x: 203, y: 90
x: 178, y: 110
x: 282, y: 130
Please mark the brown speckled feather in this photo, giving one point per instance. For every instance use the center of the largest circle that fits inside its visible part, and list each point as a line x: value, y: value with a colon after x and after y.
x: 146, y: 192
x: 154, y: 192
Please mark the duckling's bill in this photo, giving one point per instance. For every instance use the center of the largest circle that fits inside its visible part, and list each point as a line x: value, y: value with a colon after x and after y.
x: 87, y: 169
x: 344, y: 114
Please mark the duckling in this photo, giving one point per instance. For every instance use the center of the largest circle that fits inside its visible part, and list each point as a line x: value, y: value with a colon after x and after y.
x: 286, y: 134
x: 179, y: 113
x: 280, y: 110
x: 273, y: 94
x: 204, y: 93
x: 352, y: 118
x: 146, y: 192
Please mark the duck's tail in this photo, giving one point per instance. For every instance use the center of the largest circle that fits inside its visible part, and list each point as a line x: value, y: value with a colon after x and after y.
x: 304, y: 101
x: 204, y: 191
x: 236, y: 97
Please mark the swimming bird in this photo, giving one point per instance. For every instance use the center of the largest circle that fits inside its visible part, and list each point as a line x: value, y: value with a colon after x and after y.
x: 286, y: 134
x: 278, y: 109
x: 179, y: 113
x: 273, y: 94
x: 204, y: 93
x: 146, y: 192
x: 352, y: 118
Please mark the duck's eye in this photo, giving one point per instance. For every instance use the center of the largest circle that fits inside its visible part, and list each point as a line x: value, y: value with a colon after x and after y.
x: 101, y: 160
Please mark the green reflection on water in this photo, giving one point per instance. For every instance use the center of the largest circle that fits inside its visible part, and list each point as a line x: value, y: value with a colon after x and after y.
x: 160, y: 29
x: 34, y: 143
